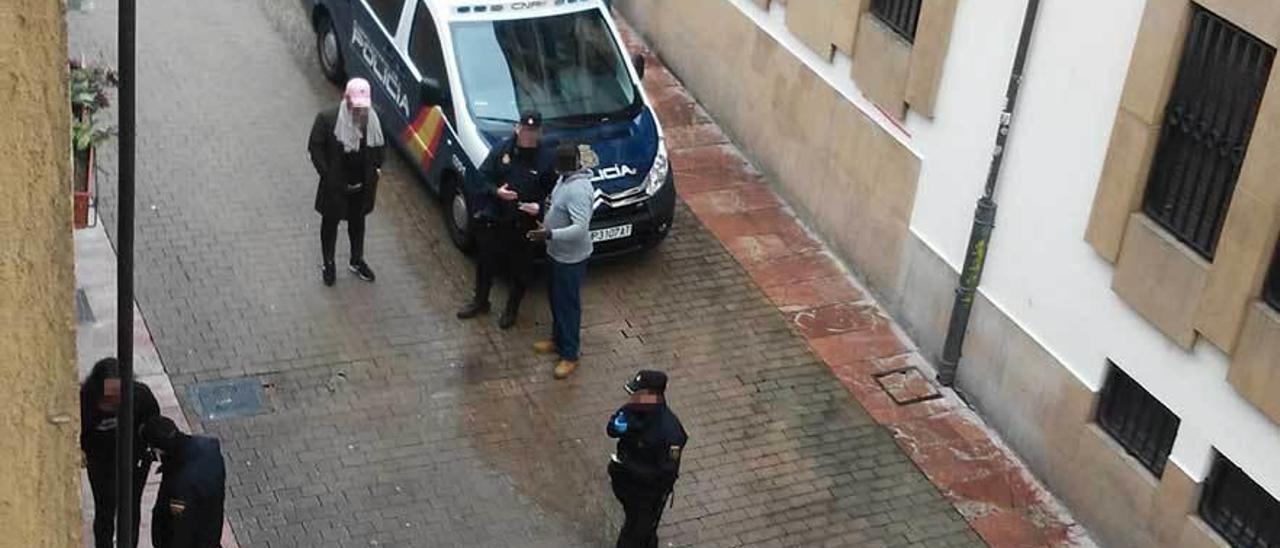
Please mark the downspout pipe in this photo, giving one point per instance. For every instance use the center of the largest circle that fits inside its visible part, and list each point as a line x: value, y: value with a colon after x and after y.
x: 127, y: 40
x: 984, y: 218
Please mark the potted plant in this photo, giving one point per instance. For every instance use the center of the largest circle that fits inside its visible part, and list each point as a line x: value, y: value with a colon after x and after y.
x: 88, y: 85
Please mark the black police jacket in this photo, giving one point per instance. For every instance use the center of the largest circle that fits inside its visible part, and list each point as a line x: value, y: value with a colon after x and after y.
x: 189, y: 506
x: 526, y: 171
x: 650, y: 442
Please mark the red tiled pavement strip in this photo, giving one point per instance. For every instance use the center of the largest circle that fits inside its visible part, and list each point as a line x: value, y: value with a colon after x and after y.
x: 849, y: 331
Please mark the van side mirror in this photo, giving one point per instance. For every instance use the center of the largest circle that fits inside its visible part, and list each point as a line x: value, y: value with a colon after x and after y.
x: 637, y: 61
x: 433, y: 93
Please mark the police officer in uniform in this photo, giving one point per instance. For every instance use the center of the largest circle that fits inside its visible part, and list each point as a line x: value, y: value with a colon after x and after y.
x: 189, y: 506
x: 644, y: 469
x: 506, y: 202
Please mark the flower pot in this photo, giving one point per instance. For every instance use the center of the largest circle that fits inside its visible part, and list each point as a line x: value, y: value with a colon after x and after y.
x: 82, y: 189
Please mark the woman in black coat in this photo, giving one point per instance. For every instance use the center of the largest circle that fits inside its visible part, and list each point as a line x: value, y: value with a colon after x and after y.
x: 347, y: 148
x: 99, y: 404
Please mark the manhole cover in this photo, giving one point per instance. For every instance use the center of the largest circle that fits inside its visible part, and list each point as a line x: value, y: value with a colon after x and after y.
x: 216, y: 400
x: 907, y: 386
x: 84, y: 312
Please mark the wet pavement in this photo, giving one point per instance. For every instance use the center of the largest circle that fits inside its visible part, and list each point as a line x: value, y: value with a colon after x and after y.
x: 387, y: 422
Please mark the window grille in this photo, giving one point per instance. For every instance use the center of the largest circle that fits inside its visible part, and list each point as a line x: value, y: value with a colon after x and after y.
x: 1238, y: 509
x: 1137, y: 420
x: 901, y: 15
x: 1206, y: 130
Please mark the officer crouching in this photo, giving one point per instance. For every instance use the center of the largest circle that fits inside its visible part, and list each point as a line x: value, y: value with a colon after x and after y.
x: 644, y: 469
x: 189, y: 506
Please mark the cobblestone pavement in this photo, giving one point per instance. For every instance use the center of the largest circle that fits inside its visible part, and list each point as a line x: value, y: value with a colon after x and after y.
x: 390, y: 423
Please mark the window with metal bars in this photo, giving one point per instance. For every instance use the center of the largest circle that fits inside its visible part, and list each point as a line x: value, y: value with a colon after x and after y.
x: 1271, y: 289
x: 1206, y: 130
x: 900, y: 15
x: 1238, y: 509
x: 1137, y: 420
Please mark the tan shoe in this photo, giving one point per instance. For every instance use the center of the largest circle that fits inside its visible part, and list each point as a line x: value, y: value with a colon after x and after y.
x: 545, y: 347
x: 565, y: 368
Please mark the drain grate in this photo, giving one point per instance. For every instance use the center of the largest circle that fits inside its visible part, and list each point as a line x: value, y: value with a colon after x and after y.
x: 226, y: 399
x: 907, y: 386
x: 84, y: 312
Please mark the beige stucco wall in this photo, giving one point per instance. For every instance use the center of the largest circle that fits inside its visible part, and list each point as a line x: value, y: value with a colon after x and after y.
x: 39, y: 418
x: 848, y: 177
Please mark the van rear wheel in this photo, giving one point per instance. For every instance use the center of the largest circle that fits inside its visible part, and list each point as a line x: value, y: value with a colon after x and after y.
x: 329, y: 51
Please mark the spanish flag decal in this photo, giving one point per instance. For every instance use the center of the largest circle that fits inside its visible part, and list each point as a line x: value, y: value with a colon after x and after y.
x: 422, y: 137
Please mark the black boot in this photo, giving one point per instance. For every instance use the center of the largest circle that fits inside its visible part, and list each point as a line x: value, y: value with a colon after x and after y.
x: 330, y: 273
x: 508, y: 318
x: 473, y: 309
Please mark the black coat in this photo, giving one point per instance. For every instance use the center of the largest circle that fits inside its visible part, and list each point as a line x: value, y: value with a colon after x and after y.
x: 327, y: 156
x: 97, y: 427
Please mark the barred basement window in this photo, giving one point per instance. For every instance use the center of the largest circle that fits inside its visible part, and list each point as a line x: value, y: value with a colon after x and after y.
x: 900, y: 15
x: 1238, y: 509
x: 1136, y: 420
x: 1206, y: 130
x: 1271, y: 291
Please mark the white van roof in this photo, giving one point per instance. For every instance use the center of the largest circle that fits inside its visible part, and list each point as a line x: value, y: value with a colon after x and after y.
x: 505, y: 9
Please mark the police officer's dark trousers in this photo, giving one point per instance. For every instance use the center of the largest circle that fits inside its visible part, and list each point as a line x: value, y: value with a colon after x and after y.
x: 642, y: 504
x: 102, y: 481
x: 502, y: 250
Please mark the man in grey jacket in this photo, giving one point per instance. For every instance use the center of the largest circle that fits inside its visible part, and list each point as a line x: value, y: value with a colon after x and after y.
x: 566, y: 229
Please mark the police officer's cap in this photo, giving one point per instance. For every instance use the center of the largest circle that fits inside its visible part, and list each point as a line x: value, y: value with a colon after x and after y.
x: 531, y: 119
x: 158, y: 430
x: 653, y: 381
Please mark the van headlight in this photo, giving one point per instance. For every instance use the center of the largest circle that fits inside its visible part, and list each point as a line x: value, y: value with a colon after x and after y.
x: 658, y: 173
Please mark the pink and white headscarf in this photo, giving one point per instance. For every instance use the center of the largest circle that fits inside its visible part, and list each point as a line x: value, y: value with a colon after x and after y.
x: 357, y: 95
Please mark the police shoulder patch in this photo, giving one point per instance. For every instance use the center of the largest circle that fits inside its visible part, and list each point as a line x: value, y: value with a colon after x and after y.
x: 506, y: 159
x: 177, y: 507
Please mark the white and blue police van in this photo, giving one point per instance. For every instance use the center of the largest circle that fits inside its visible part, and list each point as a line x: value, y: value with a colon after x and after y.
x: 450, y: 78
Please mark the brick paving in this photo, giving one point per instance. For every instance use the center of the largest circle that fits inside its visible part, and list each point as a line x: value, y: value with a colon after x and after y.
x: 389, y: 423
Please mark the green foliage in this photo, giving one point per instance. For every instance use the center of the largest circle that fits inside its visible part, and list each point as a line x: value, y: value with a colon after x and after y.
x: 88, y: 84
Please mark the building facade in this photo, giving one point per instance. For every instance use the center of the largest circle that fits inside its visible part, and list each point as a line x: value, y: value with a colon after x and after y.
x: 39, y: 409
x: 1124, y: 339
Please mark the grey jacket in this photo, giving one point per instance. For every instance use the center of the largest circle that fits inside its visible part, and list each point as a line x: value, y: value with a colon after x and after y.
x: 569, y: 218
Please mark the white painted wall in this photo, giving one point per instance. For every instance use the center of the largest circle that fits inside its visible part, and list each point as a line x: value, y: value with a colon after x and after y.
x: 1040, y: 271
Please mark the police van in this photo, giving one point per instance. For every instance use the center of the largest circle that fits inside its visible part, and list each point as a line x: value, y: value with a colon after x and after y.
x: 450, y: 78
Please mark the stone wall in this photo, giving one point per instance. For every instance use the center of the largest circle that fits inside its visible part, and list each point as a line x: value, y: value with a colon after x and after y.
x: 848, y: 177
x: 39, y: 417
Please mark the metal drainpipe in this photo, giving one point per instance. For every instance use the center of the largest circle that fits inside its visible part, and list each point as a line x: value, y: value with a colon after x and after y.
x: 124, y: 272
x: 984, y: 218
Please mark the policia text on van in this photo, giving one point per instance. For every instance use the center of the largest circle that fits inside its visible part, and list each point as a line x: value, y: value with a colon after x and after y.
x: 450, y: 78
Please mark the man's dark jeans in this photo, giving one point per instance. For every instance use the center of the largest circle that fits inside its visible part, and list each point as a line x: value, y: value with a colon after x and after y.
x: 565, y: 292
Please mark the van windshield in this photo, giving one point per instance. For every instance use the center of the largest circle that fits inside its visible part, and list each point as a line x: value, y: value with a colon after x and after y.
x: 567, y: 67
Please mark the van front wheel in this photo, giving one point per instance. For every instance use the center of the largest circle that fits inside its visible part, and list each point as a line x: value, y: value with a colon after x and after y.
x: 456, y: 216
x: 329, y: 51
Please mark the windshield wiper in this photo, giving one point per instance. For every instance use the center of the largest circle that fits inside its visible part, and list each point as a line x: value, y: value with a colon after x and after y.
x: 495, y: 119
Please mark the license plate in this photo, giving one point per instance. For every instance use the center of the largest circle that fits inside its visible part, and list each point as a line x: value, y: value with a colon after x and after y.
x: 611, y: 233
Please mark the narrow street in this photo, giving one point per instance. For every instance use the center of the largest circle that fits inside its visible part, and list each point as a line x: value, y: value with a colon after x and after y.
x: 386, y: 421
